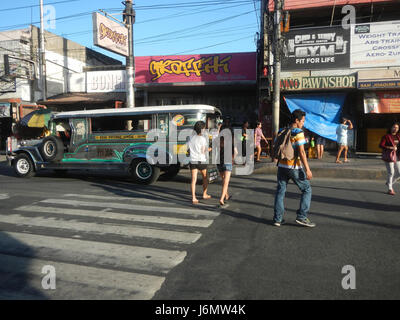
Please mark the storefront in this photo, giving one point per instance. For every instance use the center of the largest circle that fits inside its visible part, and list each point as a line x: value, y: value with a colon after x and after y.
x: 360, y: 63
x: 226, y: 81
x: 381, y: 104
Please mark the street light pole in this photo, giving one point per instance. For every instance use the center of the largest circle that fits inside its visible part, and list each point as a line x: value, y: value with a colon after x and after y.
x: 42, y: 58
x: 277, y: 67
x: 130, y: 61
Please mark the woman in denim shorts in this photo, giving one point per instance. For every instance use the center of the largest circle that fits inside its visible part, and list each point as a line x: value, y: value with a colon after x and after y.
x: 225, y: 167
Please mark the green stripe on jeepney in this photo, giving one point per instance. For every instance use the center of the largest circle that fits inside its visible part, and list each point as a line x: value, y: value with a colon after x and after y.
x: 91, y: 160
x: 119, y: 154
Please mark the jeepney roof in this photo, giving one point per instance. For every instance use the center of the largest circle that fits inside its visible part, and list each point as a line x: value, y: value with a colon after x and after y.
x: 136, y: 111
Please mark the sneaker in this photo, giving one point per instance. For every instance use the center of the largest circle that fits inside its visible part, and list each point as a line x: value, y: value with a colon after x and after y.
x: 278, y: 224
x: 306, y: 222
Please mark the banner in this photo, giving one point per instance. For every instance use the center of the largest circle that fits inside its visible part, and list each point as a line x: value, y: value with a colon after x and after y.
x: 375, y: 44
x: 226, y: 67
x: 382, y: 102
x: 322, y: 111
x: 316, y: 48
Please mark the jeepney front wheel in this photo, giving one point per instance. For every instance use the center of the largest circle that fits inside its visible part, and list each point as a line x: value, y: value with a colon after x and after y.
x: 143, y: 172
x: 23, y: 166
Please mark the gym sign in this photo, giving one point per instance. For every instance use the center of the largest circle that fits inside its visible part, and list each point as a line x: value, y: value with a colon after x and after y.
x: 316, y: 48
x: 318, y: 83
x: 110, y: 35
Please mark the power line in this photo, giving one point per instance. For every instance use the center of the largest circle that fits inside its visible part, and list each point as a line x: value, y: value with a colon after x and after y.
x: 214, y: 45
x: 186, y: 30
x: 36, y: 5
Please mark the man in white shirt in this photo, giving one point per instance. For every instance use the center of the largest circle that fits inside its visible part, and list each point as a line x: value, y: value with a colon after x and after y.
x: 198, y: 149
x: 341, y: 132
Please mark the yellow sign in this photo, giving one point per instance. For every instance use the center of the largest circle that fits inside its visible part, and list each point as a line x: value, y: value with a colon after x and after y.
x: 180, y: 149
x: 122, y: 137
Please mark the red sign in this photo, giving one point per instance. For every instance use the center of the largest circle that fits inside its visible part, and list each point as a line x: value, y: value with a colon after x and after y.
x: 223, y: 67
x: 382, y: 102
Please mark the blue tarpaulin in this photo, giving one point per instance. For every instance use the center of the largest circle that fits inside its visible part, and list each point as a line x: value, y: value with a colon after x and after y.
x: 322, y: 111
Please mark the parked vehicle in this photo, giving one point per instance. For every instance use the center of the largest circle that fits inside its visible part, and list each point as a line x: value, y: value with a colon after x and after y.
x: 110, y: 139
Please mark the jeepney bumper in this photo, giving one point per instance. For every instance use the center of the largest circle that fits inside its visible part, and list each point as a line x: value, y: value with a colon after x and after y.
x: 10, y: 158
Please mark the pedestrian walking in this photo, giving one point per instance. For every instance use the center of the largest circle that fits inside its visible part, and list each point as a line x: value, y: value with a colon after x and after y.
x: 320, y: 142
x: 245, y: 126
x: 390, y: 144
x: 341, y: 132
x: 293, y: 169
x: 225, y: 163
x: 198, y: 148
x: 258, y: 135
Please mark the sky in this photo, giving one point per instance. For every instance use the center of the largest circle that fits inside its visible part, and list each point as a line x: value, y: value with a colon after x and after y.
x: 162, y: 27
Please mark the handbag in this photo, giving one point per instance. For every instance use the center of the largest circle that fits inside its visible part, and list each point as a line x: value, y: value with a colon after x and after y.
x: 389, y: 155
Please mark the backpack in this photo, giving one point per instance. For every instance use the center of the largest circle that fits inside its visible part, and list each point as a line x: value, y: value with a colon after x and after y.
x: 283, y: 148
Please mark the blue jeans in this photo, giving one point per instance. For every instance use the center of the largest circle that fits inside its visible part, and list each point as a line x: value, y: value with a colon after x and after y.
x: 299, y: 178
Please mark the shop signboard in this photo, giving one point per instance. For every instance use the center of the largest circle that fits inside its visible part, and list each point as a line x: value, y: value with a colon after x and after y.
x: 316, y: 48
x: 106, y: 81
x: 382, y: 102
x: 318, y: 83
x: 110, y: 35
x: 375, y: 44
x: 198, y: 68
x: 378, y: 79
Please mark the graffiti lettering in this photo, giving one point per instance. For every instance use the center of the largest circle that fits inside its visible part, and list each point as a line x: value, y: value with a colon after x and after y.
x: 106, y: 32
x: 189, y: 67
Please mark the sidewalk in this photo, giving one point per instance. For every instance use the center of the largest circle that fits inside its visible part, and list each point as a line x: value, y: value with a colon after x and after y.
x: 364, y: 168
x: 369, y: 167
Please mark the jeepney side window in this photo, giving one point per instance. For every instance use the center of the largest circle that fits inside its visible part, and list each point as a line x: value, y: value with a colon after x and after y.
x: 141, y: 123
x: 80, y: 130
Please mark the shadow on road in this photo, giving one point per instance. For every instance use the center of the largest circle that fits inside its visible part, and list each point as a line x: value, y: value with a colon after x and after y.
x: 15, y: 271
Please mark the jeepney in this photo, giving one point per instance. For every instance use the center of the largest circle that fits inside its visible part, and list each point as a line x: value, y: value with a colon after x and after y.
x: 109, y: 139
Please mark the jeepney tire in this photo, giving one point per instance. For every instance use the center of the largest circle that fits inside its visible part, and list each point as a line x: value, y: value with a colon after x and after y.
x: 143, y: 172
x: 51, y: 149
x: 171, y: 172
x: 23, y: 166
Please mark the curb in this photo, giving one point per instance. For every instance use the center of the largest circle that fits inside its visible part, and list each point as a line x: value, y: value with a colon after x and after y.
x: 342, y: 173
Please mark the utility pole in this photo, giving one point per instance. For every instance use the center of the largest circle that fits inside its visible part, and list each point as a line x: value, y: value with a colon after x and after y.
x: 129, y: 20
x: 42, y: 58
x: 278, y: 4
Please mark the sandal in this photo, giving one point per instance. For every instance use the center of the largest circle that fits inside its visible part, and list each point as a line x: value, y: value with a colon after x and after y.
x: 195, y: 201
x: 206, y: 197
x: 338, y: 161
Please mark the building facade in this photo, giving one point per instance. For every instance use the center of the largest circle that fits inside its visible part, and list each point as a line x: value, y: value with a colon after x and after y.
x: 352, y: 67
x: 20, y: 86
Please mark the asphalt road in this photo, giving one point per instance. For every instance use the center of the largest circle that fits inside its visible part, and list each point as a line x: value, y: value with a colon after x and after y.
x: 108, y: 238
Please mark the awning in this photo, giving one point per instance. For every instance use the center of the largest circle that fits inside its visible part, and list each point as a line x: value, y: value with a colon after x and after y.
x: 84, y: 98
x: 322, y: 111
